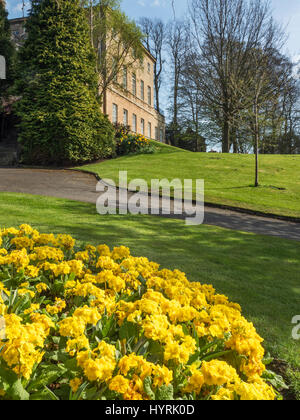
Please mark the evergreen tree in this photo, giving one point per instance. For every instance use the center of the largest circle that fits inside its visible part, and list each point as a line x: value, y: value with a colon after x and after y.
x: 61, y: 120
x: 6, y: 50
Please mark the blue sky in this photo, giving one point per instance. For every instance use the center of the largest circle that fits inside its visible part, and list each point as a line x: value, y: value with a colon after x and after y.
x: 286, y: 12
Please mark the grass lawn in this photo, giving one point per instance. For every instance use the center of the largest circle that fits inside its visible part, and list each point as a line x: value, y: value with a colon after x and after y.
x: 229, y: 178
x: 261, y: 273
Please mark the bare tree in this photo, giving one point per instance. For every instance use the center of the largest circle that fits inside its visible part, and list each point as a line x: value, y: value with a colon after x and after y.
x: 278, y: 132
x: 155, y: 32
x: 224, y: 34
x: 177, y: 43
x: 289, y: 138
x: 192, y: 114
x: 267, y: 82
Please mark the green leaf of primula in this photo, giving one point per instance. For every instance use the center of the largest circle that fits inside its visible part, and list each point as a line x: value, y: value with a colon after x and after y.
x: 42, y: 395
x: 128, y: 330
x: 275, y: 380
x: 51, y: 394
x: 7, y: 379
x: 165, y: 393
x: 72, y: 367
x: 7, y: 375
x: 148, y: 388
x: 107, y: 326
x: 48, y: 375
x: 17, y: 391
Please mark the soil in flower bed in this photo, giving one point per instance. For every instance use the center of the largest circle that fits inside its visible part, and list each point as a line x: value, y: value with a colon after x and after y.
x: 280, y: 367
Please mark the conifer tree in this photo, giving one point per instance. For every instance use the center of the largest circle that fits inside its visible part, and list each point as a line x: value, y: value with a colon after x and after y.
x: 61, y: 118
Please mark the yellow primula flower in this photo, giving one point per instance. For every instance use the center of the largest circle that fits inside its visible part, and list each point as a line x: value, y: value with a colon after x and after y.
x: 119, y: 384
x: 75, y: 384
x: 41, y: 287
x: 218, y: 373
x: 58, y: 307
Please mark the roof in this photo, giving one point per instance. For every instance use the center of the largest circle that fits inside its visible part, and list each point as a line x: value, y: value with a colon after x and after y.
x: 23, y: 19
x: 18, y: 20
x: 149, y: 53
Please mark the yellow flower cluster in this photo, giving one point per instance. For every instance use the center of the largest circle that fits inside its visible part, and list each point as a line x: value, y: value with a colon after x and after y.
x: 131, y: 374
x: 134, y: 143
x: 24, y: 343
x: 120, y: 326
x: 98, y: 365
x: 135, y: 139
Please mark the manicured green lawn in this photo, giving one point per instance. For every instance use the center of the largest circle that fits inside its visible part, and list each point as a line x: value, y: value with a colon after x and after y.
x: 229, y: 178
x: 261, y: 273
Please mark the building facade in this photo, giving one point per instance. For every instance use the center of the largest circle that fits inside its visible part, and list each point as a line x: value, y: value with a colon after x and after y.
x: 130, y: 99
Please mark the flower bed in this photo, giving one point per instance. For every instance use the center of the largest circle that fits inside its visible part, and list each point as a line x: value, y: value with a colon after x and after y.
x: 91, y: 323
x: 128, y: 143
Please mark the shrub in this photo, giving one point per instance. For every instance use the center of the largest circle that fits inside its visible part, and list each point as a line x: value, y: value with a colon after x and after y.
x: 93, y: 323
x: 134, y: 144
x: 128, y: 143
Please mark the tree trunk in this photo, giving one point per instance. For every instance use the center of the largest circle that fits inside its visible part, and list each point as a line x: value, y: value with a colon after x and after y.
x: 105, y: 102
x: 156, y: 90
x: 226, y: 137
x: 256, y: 161
x: 92, y: 22
x: 256, y: 147
x: 103, y: 54
x: 234, y: 141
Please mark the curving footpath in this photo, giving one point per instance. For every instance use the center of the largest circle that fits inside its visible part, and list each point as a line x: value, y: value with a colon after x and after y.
x: 79, y: 186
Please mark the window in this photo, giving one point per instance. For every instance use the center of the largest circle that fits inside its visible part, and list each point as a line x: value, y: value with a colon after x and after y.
x: 134, y: 53
x: 134, y: 84
x: 143, y: 126
x: 161, y: 135
x: 156, y: 134
x: 134, y: 123
x: 125, y: 78
x: 115, y: 71
x: 149, y: 68
x: 115, y: 114
x: 125, y: 117
x: 142, y: 90
x: 149, y: 96
x: 149, y: 130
